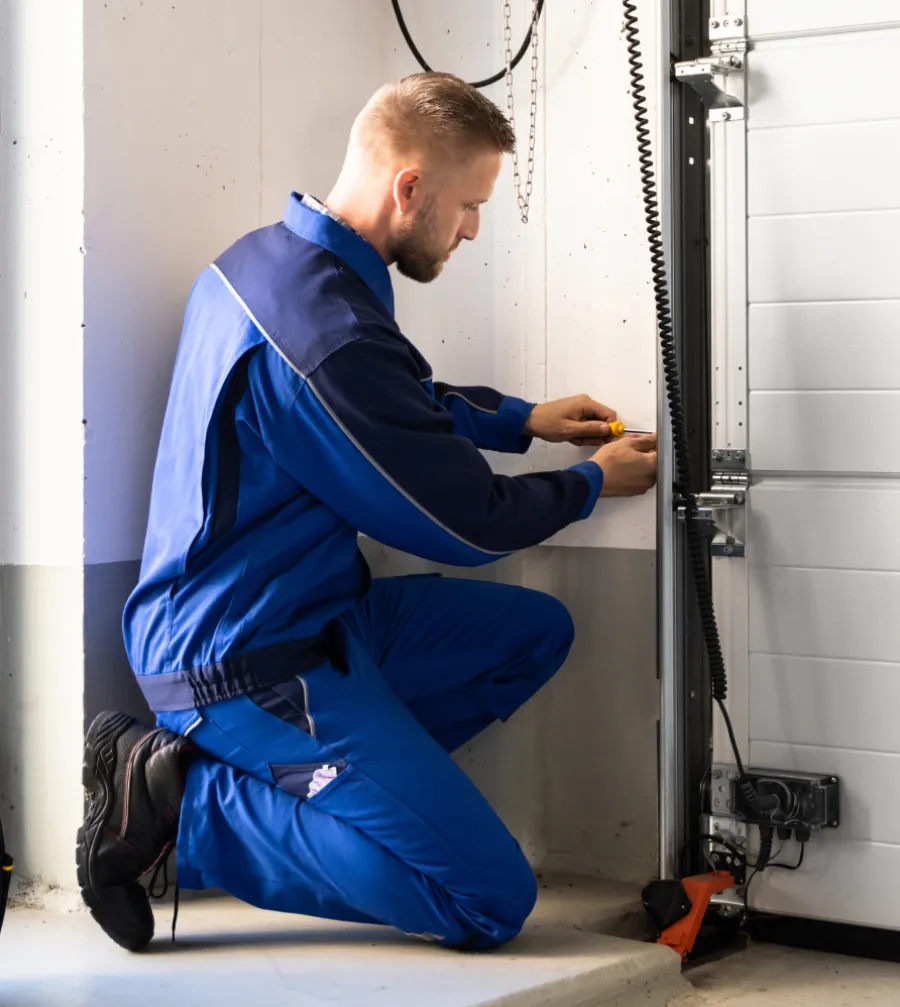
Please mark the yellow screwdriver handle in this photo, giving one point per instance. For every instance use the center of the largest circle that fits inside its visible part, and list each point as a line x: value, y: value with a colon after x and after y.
x: 618, y: 429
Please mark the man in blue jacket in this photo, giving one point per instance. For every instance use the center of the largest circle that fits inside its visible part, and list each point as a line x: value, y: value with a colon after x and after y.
x: 306, y: 713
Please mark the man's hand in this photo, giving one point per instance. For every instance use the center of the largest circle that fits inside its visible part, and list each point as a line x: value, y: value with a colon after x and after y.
x: 629, y: 466
x: 578, y: 420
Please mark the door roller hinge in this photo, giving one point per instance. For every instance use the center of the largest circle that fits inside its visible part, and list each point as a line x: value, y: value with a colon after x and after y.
x: 726, y: 498
x: 727, y: 57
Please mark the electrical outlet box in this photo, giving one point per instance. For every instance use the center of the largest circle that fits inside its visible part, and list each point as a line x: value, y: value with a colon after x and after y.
x: 807, y: 802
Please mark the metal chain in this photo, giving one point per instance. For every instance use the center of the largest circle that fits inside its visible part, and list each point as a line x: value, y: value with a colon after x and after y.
x: 523, y: 197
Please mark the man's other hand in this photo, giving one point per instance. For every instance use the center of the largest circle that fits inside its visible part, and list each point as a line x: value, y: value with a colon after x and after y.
x: 578, y: 420
x: 629, y: 466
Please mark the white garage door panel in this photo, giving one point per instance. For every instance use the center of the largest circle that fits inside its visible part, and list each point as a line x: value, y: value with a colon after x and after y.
x: 866, y: 778
x: 821, y: 524
x: 770, y: 17
x: 840, y: 78
x: 833, y: 257
x: 852, y: 166
x: 811, y: 622
x: 849, y: 432
x: 825, y: 613
x: 842, y: 880
x: 830, y: 703
x: 834, y: 345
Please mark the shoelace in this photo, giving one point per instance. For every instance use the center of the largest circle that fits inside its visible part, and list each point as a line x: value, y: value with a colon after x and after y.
x: 162, y: 867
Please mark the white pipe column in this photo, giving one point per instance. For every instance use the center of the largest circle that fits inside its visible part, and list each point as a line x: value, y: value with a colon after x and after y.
x: 41, y: 433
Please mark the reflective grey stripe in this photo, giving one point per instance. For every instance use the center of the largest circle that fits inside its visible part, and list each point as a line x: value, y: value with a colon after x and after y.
x: 393, y: 482
x: 469, y: 402
x: 411, y: 499
x: 236, y: 676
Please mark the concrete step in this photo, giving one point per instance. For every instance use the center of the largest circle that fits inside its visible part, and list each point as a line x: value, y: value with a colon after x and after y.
x: 229, y: 954
x: 604, y: 907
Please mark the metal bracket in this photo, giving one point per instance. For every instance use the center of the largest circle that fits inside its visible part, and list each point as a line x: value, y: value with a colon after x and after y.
x: 727, y: 27
x: 725, y: 830
x: 728, y: 48
x: 720, y: 791
x: 699, y: 74
x: 728, y: 492
x: 729, y: 459
x: 725, y: 546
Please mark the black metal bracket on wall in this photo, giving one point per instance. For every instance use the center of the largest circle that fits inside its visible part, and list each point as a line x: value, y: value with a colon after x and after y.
x: 691, y: 299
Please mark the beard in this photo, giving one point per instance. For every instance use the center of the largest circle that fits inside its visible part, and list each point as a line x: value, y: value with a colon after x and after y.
x: 419, y: 254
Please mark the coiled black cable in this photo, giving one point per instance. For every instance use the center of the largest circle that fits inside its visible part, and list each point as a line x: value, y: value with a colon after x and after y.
x: 683, y: 493
x: 420, y: 59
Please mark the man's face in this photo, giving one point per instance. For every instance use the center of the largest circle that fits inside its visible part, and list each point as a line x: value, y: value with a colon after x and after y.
x: 434, y: 218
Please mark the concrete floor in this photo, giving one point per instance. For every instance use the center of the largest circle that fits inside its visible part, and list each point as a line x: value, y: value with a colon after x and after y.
x: 571, y: 954
x: 769, y: 976
x: 229, y: 955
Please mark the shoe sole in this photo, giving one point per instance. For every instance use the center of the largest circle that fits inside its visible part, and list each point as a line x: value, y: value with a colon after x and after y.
x: 108, y: 906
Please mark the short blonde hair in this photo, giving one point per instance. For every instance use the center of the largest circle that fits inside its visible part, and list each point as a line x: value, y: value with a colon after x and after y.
x: 435, y: 111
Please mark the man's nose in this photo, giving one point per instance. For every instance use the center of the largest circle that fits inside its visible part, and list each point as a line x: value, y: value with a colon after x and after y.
x: 469, y: 230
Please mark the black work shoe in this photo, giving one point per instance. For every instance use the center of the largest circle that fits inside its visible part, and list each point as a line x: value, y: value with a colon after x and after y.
x: 134, y: 779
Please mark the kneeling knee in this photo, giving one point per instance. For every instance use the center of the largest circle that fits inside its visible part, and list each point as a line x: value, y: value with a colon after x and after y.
x: 502, y: 911
x: 558, y: 625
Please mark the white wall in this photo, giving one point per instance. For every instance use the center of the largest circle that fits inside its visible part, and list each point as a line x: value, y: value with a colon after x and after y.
x: 190, y: 145
x: 559, y: 306
x: 200, y: 119
x: 172, y: 102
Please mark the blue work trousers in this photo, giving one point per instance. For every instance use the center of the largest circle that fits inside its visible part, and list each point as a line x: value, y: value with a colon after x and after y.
x: 335, y: 795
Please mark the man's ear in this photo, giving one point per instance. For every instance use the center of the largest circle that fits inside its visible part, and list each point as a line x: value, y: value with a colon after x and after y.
x: 406, y: 186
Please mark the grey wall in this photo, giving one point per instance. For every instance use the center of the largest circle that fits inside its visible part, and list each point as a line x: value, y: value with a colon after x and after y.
x: 598, y: 718
x: 60, y: 664
x: 41, y: 688
x: 108, y: 681
x: 574, y: 772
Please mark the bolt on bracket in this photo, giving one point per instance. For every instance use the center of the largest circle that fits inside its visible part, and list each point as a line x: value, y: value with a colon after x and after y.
x: 727, y: 27
x: 700, y: 74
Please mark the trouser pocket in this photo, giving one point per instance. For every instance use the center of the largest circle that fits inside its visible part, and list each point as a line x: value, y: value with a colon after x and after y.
x: 307, y: 779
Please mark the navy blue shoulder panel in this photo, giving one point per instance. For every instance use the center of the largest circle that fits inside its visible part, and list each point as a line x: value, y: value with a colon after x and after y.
x: 306, y: 300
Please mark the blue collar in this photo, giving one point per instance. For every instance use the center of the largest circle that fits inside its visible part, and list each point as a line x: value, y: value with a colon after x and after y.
x: 346, y: 244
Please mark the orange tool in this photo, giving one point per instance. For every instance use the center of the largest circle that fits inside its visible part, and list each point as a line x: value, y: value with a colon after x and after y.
x: 682, y: 935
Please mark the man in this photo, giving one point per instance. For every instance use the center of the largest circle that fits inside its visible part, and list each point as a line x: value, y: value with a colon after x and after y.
x: 306, y: 714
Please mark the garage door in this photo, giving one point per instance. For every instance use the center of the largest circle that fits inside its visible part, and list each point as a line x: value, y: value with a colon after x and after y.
x: 806, y: 331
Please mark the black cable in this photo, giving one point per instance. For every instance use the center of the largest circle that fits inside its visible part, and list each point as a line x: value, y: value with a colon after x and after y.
x: 420, y: 59
x: 747, y: 893
x: 782, y: 867
x: 793, y: 867
x: 684, y: 495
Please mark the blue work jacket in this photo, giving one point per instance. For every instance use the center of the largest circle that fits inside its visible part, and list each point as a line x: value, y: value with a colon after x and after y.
x: 299, y: 416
